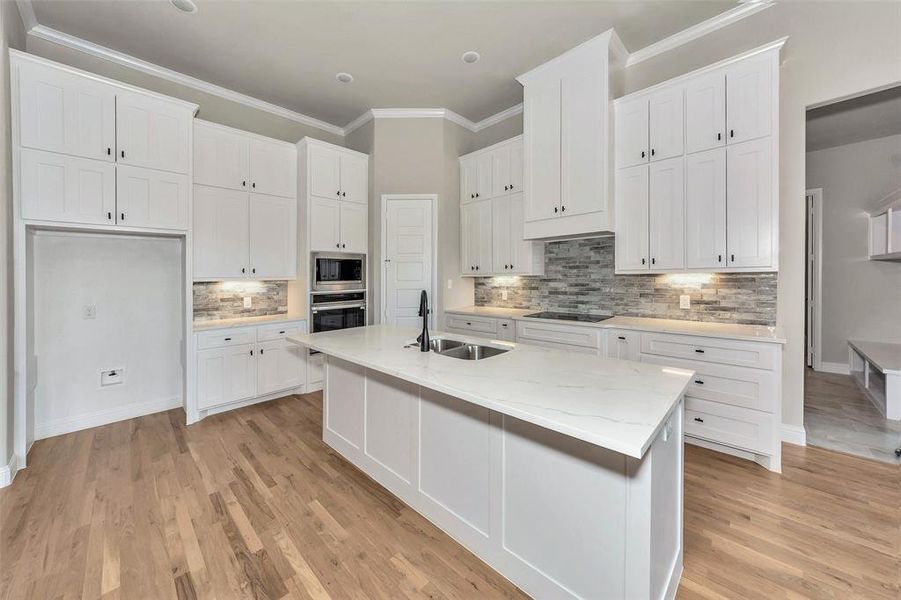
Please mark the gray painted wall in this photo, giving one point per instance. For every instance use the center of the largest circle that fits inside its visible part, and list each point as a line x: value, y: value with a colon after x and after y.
x: 861, y: 298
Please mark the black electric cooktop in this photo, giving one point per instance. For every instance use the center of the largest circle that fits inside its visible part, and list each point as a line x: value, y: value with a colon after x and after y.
x: 561, y: 316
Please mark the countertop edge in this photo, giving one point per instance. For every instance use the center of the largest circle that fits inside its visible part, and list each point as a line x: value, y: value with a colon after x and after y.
x: 213, y: 325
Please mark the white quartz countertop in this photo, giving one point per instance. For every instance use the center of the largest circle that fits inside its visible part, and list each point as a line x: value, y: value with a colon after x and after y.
x: 735, y: 331
x: 883, y: 355
x: 246, y: 321
x: 618, y: 405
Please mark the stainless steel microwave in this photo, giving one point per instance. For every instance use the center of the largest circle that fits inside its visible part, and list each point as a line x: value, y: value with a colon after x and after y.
x: 335, y: 272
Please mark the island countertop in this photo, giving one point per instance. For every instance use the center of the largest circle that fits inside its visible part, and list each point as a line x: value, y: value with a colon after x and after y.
x: 615, y: 404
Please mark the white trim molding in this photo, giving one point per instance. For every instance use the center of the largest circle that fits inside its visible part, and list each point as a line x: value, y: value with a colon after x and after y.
x: 794, y: 434
x: 431, y: 113
x: 8, y: 471
x: 746, y: 9
x: 103, y: 417
x: 834, y: 367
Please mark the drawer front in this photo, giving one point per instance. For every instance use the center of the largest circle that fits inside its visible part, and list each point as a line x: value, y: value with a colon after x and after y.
x: 278, y: 331
x: 506, y: 330
x: 737, y: 427
x: 528, y: 332
x: 727, y: 352
x: 736, y: 386
x: 222, y: 338
x: 474, y: 324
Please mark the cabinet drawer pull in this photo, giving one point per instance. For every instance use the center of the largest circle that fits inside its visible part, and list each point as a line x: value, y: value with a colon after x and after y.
x: 228, y: 339
x: 699, y: 351
x: 281, y: 333
x: 699, y: 419
x: 468, y: 323
x: 699, y: 382
x: 621, y: 337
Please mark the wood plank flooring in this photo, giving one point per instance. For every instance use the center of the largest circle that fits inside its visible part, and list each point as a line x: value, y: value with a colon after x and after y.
x: 251, y: 504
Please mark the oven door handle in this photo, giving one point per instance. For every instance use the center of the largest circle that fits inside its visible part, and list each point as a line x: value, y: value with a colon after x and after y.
x: 337, y: 306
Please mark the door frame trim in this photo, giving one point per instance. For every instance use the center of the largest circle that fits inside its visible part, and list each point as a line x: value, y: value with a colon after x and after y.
x: 432, y: 199
x: 814, y: 212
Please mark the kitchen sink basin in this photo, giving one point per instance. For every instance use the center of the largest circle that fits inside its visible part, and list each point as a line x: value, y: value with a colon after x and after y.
x: 440, y: 345
x: 473, y: 352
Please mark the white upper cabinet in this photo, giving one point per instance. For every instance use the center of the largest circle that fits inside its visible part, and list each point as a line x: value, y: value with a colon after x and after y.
x: 541, y: 148
x: 705, y: 112
x: 354, y: 178
x: 469, y: 179
x: 325, y: 224
x: 56, y: 187
x: 666, y: 225
x: 484, y: 186
x: 751, y: 207
x: 152, y: 199
x: 705, y: 209
x: 336, y: 172
x: 152, y: 133
x: 273, y: 168
x: 273, y: 242
x: 632, y: 218
x: 221, y: 233
x: 632, y: 133
x: 750, y: 98
x: 65, y: 112
x: 354, y: 226
x: 665, y: 128
x: 501, y: 241
x: 492, y: 172
x: 221, y: 156
x: 476, y: 238
x: 325, y: 171
x: 501, y: 176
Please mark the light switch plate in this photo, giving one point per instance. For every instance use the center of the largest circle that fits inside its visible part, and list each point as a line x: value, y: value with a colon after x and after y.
x: 248, y: 302
x: 89, y: 311
x: 684, y: 301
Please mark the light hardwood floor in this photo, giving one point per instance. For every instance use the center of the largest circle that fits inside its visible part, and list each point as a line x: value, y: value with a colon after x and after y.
x: 251, y: 504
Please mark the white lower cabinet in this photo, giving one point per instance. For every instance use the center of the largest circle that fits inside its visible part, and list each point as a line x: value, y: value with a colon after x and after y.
x: 244, y: 363
x: 622, y: 344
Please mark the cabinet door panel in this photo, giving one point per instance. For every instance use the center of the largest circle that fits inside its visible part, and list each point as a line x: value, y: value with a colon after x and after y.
x: 56, y: 187
x: 483, y: 266
x: 484, y: 186
x: 541, y: 126
x: 632, y: 218
x: 67, y: 113
x: 750, y: 226
x: 325, y: 229
x: 623, y: 344
x: 470, y: 238
x: 469, y: 179
x: 279, y: 367
x: 225, y: 375
x: 705, y: 209
x: 221, y: 157
x: 583, y: 116
x: 631, y: 133
x: 500, y: 171
x: 151, y: 133
x: 325, y: 171
x: 354, y: 178
x: 354, y: 230
x: 666, y: 224
x: 221, y: 230
x: 501, y: 236
x: 749, y: 97
x: 273, y: 242
x: 273, y: 168
x: 516, y: 166
x: 151, y: 198
x: 522, y: 253
x: 705, y: 113
x: 665, y: 115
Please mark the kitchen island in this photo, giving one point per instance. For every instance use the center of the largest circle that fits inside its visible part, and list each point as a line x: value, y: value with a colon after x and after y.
x: 561, y: 471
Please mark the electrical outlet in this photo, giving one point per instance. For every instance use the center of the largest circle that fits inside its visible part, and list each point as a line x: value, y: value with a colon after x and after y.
x: 684, y: 301
x: 503, y: 294
x: 89, y: 311
x: 248, y: 302
x: 112, y: 377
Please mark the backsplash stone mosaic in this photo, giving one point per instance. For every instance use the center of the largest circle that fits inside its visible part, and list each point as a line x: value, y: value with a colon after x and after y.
x: 579, y: 277
x: 225, y: 299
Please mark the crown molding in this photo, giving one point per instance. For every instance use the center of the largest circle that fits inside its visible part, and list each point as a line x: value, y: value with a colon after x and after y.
x: 359, y: 122
x: 75, y: 43
x: 498, y: 117
x: 694, y: 32
x: 26, y: 13
x: 432, y: 113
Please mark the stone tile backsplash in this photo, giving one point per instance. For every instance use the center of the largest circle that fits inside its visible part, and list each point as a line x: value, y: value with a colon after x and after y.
x: 225, y: 299
x: 579, y: 277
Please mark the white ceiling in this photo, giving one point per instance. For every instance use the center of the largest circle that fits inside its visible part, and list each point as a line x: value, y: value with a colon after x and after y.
x: 401, y: 54
x: 864, y: 118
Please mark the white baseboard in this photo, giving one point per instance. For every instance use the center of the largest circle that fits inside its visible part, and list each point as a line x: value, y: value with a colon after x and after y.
x: 63, y: 425
x: 837, y: 368
x: 215, y: 410
x: 8, y: 471
x: 794, y: 434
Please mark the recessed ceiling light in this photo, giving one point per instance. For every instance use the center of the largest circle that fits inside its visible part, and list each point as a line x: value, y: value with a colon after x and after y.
x: 470, y: 57
x: 187, y: 6
x: 344, y: 77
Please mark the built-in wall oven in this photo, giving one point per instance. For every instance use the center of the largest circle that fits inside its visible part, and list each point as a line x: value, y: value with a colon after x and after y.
x: 343, y: 310
x: 337, y: 272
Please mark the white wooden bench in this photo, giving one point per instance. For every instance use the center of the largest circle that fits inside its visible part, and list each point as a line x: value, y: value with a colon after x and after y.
x: 877, y: 368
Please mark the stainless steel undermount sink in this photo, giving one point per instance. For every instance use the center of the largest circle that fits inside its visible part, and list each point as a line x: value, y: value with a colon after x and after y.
x: 440, y: 345
x: 473, y: 352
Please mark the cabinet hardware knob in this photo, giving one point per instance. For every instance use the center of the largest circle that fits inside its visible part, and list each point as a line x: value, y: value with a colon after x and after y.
x: 472, y: 195
x: 251, y: 352
x: 338, y: 193
x: 109, y: 216
x: 699, y: 419
x: 343, y: 194
x: 699, y: 351
x: 719, y: 136
x: 109, y: 151
x: 123, y: 216
x: 642, y: 261
x: 652, y: 152
x: 653, y: 261
x: 731, y: 133
x: 620, y: 337
x: 719, y: 258
x: 506, y: 187
x: 243, y: 270
x: 699, y: 382
x: 338, y: 245
x: 253, y: 270
x: 477, y: 194
x: 344, y: 245
x: 733, y: 258
x: 511, y: 265
x: 642, y: 154
x: 555, y: 209
x: 123, y: 154
x: 472, y: 268
x: 477, y: 267
x: 254, y: 184
x: 562, y: 209
x: 511, y: 186
x: 244, y: 183
x: 228, y: 339
x: 261, y: 351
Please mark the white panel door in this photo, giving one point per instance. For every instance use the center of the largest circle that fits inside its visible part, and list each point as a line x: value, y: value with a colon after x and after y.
x: 152, y: 133
x: 666, y: 223
x: 501, y: 238
x: 483, y: 165
x: 273, y: 168
x: 705, y: 112
x: 325, y: 171
x: 226, y: 375
x: 67, y: 113
x: 665, y: 130
x: 516, y: 166
x: 750, y: 225
x: 56, y: 187
x: 583, y: 115
x: 279, y: 366
x: 705, y: 209
x: 749, y: 99
x: 632, y: 218
x: 273, y: 242
x: 541, y: 127
x: 221, y: 157
x: 631, y: 132
x: 151, y: 198
x: 221, y: 233
x: 354, y: 178
x: 408, y: 261
x: 325, y: 224
x: 469, y: 179
x: 354, y: 229
x: 500, y: 171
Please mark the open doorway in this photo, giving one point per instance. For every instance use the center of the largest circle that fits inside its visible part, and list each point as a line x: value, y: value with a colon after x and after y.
x: 853, y: 332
